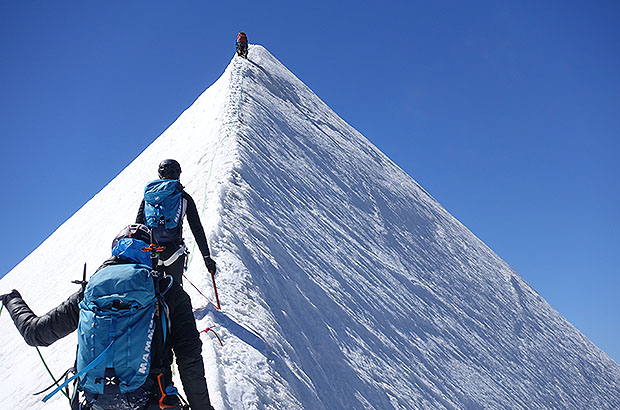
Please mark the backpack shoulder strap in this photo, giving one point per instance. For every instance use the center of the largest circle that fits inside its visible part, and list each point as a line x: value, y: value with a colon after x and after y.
x: 163, y: 322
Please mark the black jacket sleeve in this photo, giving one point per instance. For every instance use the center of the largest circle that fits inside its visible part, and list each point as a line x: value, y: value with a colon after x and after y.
x: 44, y: 330
x: 187, y: 347
x: 195, y: 225
x: 140, y: 217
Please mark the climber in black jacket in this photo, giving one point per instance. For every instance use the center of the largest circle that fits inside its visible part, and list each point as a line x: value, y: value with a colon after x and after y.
x: 174, y: 254
x: 183, y: 339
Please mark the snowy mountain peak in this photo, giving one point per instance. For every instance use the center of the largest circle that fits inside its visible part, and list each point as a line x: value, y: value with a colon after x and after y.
x: 343, y: 284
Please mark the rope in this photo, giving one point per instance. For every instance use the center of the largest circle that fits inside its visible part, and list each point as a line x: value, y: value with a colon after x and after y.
x: 201, y: 294
x: 56, y: 382
x: 66, y: 393
x: 210, y: 329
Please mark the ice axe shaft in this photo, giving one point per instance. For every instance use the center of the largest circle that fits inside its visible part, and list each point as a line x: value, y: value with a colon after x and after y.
x: 217, y: 298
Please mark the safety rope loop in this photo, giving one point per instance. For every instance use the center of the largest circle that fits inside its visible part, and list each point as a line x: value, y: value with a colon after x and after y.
x: 64, y: 376
x: 166, y: 276
x: 56, y: 383
x: 162, y: 307
x: 210, y: 329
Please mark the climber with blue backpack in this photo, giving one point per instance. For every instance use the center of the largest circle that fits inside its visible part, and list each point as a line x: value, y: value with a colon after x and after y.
x: 131, y: 318
x: 162, y: 209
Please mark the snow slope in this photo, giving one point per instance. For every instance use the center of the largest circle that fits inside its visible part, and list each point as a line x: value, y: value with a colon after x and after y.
x: 344, y: 285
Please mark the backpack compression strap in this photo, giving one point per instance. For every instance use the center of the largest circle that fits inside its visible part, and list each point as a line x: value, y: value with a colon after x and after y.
x: 92, y: 364
x: 95, y: 362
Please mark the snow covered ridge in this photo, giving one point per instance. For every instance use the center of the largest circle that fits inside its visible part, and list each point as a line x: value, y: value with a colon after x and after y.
x: 343, y: 284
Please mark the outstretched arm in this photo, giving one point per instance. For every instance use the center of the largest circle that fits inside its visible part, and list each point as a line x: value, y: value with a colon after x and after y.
x: 43, y: 330
x: 140, y: 216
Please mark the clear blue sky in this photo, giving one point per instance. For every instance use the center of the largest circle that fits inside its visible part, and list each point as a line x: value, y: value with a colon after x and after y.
x: 508, y: 114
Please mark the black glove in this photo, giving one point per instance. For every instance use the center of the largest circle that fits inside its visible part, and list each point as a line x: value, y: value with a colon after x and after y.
x: 210, y: 264
x: 5, y: 298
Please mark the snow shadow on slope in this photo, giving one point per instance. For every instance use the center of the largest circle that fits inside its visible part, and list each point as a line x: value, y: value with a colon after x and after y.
x: 252, y: 339
x: 245, y: 335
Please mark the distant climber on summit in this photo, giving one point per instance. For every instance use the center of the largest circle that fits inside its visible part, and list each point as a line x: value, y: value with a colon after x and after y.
x: 242, y: 45
x: 164, y: 205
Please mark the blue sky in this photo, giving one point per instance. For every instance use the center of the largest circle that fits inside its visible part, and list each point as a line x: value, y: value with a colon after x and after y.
x: 508, y: 114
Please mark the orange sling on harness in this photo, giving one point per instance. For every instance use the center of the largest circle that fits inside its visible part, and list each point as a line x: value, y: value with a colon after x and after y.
x: 162, y: 405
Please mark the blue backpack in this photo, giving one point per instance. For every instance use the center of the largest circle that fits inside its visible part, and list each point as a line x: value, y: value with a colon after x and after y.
x: 119, y: 314
x: 163, y: 209
x: 116, y: 329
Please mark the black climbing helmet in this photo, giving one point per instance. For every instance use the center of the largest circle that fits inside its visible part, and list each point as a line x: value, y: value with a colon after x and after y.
x: 169, y: 169
x: 136, y: 231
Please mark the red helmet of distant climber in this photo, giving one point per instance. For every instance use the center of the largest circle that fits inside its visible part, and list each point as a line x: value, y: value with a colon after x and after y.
x: 242, y: 38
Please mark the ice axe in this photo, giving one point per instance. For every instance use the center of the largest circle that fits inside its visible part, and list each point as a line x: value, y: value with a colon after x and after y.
x: 217, y: 298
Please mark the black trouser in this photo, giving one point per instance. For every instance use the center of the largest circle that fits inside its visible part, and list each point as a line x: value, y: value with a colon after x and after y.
x: 146, y: 397
x: 154, y: 406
